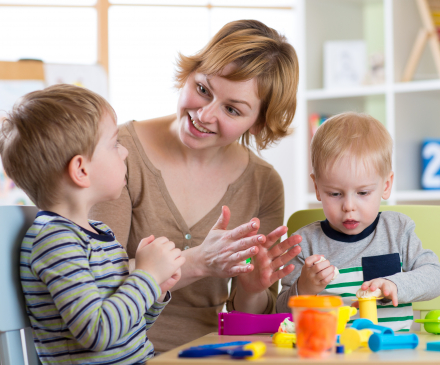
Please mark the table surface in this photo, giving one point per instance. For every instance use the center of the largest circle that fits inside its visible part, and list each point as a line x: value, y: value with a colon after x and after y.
x: 279, y: 355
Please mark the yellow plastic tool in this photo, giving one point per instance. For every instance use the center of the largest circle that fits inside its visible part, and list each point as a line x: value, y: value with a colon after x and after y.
x: 368, y: 308
x: 352, y: 339
x: 344, y: 314
x: 257, y: 347
x: 281, y: 339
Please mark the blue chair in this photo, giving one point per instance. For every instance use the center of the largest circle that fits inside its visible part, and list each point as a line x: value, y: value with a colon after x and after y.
x: 14, y: 222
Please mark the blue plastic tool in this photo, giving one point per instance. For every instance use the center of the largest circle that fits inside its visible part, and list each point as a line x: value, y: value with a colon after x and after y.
x: 217, y: 349
x: 378, y: 342
x: 363, y: 323
x: 433, y: 346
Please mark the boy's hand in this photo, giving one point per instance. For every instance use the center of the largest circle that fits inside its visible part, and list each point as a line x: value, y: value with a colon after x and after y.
x: 168, y: 284
x: 314, y: 278
x: 389, y: 289
x: 159, y: 257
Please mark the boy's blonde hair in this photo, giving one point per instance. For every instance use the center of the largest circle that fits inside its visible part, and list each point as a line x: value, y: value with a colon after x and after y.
x: 44, y: 131
x: 357, y: 135
x: 259, y: 52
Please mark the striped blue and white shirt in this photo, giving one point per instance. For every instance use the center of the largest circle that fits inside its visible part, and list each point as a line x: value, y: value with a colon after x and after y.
x: 83, y: 305
x: 389, y: 248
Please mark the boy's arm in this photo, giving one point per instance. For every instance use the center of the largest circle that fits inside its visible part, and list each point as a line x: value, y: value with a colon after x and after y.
x: 290, y: 283
x: 155, y: 310
x: 60, y: 260
x: 420, y: 279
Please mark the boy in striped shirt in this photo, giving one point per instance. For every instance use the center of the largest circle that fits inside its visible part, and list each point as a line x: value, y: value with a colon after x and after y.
x: 60, y: 146
x: 351, y: 170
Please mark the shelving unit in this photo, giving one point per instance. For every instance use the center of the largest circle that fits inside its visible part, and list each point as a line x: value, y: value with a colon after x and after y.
x: 409, y: 110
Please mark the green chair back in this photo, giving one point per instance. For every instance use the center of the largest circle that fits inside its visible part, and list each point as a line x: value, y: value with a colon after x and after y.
x: 426, y: 218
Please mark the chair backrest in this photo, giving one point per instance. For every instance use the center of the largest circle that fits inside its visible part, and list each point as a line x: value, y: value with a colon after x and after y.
x: 426, y: 218
x: 14, y: 222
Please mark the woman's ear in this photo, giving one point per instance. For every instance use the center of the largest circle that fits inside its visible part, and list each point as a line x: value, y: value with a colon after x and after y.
x: 257, y: 127
x: 78, y: 171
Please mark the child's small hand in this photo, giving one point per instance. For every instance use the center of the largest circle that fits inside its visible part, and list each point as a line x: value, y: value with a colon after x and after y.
x: 168, y: 284
x: 389, y: 289
x: 159, y: 257
x: 314, y: 278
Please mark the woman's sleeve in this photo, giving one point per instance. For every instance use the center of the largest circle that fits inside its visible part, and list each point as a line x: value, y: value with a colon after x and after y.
x: 116, y: 214
x: 271, y: 216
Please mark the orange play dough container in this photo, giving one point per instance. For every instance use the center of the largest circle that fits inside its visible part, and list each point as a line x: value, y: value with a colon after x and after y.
x: 316, y: 320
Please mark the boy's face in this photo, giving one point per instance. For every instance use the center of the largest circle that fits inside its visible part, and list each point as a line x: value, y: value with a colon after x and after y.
x: 351, y: 195
x: 108, y: 167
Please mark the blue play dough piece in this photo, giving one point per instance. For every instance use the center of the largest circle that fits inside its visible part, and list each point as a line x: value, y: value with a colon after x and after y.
x: 433, y: 346
x: 363, y: 323
x: 379, y: 342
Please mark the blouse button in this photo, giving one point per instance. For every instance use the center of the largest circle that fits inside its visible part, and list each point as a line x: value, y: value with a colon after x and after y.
x: 188, y: 236
x: 186, y: 247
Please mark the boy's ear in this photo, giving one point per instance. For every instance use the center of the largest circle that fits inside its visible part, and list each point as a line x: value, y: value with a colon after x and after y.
x: 388, y: 185
x: 78, y: 171
x: 316, y: 187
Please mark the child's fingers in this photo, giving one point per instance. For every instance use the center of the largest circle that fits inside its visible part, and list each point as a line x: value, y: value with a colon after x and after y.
x: 326, y: 275
x: 309, y: 261
x: 145, y: 241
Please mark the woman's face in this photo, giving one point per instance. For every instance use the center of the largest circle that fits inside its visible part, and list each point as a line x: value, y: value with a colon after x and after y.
x: 213, y: 111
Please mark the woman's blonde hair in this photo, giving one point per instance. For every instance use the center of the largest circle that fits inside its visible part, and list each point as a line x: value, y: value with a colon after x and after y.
x: 360, y: 136
x: 259, y: 52
x: 44, y: 131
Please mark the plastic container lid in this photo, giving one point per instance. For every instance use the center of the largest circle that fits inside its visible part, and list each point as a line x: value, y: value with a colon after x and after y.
x: 324, y: 301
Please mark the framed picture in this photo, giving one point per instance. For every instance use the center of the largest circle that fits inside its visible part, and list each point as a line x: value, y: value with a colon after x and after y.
x: 344, y: 64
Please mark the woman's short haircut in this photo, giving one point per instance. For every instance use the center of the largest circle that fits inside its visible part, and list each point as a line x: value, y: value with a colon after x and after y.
x: 44, y: 131
x: 259, y: 52
x: 360, y: 136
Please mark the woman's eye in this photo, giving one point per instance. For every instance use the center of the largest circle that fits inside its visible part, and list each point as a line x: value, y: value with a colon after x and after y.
x: 202, y: 89
x: 232, y: 111
x: 117, y: 144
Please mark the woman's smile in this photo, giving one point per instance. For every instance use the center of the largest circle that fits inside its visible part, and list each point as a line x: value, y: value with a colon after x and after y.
x: 199, y: 127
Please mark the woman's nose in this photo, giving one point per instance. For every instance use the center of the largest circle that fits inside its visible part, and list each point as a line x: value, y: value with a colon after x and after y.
x: 208, y: 113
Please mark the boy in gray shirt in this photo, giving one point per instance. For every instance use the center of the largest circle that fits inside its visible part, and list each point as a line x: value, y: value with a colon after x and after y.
x: 351, y: 170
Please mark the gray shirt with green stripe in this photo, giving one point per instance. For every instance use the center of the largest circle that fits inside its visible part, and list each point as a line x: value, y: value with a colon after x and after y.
x: 367, y: 253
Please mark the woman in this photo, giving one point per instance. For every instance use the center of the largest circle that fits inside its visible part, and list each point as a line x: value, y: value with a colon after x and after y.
x: 186, y: 169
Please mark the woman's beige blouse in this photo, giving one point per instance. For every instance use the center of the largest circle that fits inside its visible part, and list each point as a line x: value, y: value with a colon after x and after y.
x: 145, y: 207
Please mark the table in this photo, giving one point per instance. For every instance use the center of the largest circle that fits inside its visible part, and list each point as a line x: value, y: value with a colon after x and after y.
x: 279, y: 355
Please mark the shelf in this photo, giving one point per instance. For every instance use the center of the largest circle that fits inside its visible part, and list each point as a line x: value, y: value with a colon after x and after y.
x: 321, y: 94
x: 425, y: 85
x: 417, y: 195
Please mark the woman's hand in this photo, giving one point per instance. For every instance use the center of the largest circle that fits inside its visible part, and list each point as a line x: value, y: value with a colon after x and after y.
x: 268, y: 261
x: 223, y: 252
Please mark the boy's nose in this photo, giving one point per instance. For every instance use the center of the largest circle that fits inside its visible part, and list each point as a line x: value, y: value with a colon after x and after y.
x: 348, y: 205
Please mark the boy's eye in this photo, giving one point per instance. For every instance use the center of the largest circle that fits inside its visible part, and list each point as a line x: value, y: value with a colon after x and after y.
x: 363, y: 193
x: 334, y: 194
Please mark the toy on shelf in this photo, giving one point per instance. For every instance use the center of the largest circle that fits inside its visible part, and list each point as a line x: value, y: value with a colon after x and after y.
x: 281, y: 339
x: 315, y: 120
x: 352, y: 339
x: 428, y: 32
x: 242, y: 350
x: 316, y: 319
x: 238, y: 323
x: 431, y: 322
x: 344, y: 314
x: 378, y: 342
x: 362, y: 323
